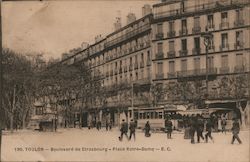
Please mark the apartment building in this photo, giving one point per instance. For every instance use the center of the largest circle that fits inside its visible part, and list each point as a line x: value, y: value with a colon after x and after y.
x: 179, y: 52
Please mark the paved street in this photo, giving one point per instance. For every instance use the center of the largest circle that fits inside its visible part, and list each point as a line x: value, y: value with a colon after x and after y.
x: 91, y: 145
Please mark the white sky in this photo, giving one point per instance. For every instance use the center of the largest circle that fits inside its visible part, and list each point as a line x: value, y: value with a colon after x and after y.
x: 54, y: 27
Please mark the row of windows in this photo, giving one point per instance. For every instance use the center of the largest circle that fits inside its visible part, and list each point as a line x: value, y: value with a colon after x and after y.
x: 224, y: 23
x: 197, y: 45
x: 196, y: 63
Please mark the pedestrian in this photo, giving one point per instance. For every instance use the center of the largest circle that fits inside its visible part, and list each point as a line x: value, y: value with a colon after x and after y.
x: 209, y: 126
x: 169, y: 128
x: 236, y: 131
x: 110, y: 124
x: 223, y: 125
x: 147, y: 129
x: 124, y: 130
x: 107, y: 125
x: 199, y: 128
x: 192, y: 128
x: 132, y: 127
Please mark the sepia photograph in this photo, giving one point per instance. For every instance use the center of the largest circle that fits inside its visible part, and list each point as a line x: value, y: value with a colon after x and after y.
x: 125, y: 81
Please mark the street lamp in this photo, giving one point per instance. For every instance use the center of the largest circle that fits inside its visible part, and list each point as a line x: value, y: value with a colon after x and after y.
x: 207, y: 35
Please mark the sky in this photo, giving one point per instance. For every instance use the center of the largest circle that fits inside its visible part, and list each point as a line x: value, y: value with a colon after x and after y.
x: 53, y: 27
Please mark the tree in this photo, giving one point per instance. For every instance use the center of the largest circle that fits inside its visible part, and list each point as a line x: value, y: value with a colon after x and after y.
x: 18, y: 87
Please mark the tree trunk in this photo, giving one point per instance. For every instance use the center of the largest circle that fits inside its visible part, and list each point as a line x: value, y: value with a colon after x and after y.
x: 11, y: 122
x: 242, y: 113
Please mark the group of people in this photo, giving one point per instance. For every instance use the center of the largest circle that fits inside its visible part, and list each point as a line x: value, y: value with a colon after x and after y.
x: 196, y: 125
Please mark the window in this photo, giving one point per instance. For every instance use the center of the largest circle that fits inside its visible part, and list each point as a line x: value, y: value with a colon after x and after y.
x: 184, y: 25
x: 224, y: 61
x: 224, y: 40
x: 184, y: 44
x: 171, y: 46
x: 239, y: 15
x: 159, y: 48
x: 148, y: 53
x: 196, y: 22
x: 159, y: 68
x: 197, y: 43
x: 197, y: 63
x: 142, y: 57
x: 239, y: 60
x: 224, y: 17
x: 210, y: 21
x: 184, y: 65
x: 159, y: 28
x: 239, y: 38
x: 210, y: 62
x: 171, y: 67
x: 171, y: 26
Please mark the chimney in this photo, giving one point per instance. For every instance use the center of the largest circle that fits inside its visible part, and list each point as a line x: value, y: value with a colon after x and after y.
x: 118, y: 23
x: 131, y: 18
x: 146, y: 9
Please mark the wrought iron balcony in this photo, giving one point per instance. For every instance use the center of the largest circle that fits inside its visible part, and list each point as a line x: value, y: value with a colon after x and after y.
x: 224, y: 47
x: 239, y: 22
x: 160, y: 76
x: 171, y: 34
x: 196, y: 72
x: 240, y: 68
x: 171, y: 54
x: 210, y: 26
x: 159, y: 55
x: 196, y: 51
x: 224, y: 70
x: 183, y: 52
x: 159, y: 36
x: 224, y: 25
x: 239, y: 45
x: 183, y: 32
x: 196, y: 29
x: 172, y: 75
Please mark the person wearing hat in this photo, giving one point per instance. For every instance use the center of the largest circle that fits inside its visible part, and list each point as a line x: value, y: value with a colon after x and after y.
x: 169, y: 126
x: 124, y: 129
x: 132, y: 127
x: 209, y: 126
x: 236, y: 131
x: 147, y: 129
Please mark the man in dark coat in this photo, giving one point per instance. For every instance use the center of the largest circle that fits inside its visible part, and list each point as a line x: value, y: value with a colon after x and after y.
x: 236, y: 131
x: 199, y: 128
x: 209, y: 126
x: 147, y: 129
x: 132, y: 127
x: 124, y: 130
x: 169, y: 126
x: 193, y: 123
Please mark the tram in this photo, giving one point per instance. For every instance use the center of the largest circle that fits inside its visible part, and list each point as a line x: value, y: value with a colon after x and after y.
x: 155, y: 115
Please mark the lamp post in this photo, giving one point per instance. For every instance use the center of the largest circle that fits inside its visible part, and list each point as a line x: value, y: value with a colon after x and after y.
x: 207, y: 35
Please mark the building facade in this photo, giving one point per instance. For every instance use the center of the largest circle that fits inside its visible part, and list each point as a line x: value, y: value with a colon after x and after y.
x: 179, y: 52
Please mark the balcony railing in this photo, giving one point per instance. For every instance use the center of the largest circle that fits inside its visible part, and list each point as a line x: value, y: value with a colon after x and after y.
x: 159, y: 36
x: 171, y: 75
x: 240, y: 68
x: 196, y: 29
x: 224, y: 25
x: 159, y: 55
x: 183, y: 52
x: 128, y: 35
x: 239, y: 45
x: 196, y: 51
x: 183, y: 32
x: 160, y: 76
x: 210, y: 26
x: 224, y: 47
x: 224, y: 70
x: 239, y: 22
x: 141, y: 64
x: 171, y: 54
x: 196, y: 72
x: 201, y: 7
x: 171, y: 34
